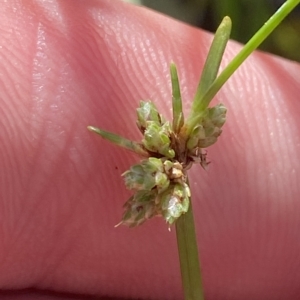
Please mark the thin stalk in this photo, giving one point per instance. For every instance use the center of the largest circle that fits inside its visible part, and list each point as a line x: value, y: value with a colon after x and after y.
x: 188, y: 256
x: 185, y: 227
x: 253, y: 44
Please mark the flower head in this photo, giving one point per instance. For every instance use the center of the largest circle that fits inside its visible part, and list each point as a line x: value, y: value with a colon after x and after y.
x: 159, y: 180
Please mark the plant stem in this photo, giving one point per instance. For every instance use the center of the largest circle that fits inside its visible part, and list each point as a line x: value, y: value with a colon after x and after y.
x: 253, y: 43
x: 188, y: 256
x: 185, y: 227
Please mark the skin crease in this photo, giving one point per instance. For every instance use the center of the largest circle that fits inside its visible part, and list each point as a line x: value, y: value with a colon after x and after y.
x: 66, y: 66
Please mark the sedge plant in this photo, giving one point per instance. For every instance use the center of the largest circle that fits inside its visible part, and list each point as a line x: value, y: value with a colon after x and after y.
x: 169, y: 149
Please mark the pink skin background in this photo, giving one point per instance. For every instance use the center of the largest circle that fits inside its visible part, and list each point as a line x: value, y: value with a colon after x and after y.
x: 68, y: 64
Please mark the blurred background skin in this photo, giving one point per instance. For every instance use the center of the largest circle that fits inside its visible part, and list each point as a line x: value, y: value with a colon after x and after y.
x: 86, y: 83
x: 247, y: 17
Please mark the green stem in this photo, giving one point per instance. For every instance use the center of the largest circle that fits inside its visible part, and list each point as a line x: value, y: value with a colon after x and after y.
x: 253, y: 43
x: 188, y: 256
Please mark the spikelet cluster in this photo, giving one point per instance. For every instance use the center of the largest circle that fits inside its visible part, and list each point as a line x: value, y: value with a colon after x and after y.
x: 159, y: 182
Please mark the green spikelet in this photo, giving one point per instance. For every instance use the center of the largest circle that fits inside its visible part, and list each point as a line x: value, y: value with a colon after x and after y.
x: 157, y: 139
x: 175, y: 202
x: 145, y: 113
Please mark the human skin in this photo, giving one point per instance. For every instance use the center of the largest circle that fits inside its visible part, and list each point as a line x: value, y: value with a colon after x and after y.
x: 66, y: 65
